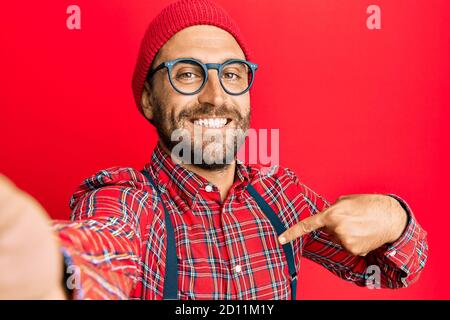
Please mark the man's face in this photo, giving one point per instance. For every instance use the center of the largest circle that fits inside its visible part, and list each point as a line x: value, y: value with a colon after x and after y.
x: 172, y: 112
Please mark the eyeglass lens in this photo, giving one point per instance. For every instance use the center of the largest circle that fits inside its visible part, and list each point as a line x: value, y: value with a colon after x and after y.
x: 189, y: 76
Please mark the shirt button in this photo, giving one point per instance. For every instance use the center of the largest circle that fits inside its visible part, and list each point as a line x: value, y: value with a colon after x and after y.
x: 347, y: 275
x: 238, y: 268
x: 208, y: 188
x: 393, y: 253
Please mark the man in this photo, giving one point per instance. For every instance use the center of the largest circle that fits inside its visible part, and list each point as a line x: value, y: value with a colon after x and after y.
x: 207, y: 229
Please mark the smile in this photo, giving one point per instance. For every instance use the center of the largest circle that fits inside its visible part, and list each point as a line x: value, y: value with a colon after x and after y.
x: 215, y: 123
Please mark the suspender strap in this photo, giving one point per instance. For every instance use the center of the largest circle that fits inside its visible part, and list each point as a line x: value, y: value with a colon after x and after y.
x: 279, y: 228
x: 171, y: 276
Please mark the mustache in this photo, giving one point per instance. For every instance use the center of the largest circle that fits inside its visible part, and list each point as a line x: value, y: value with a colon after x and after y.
x: 211, y: 111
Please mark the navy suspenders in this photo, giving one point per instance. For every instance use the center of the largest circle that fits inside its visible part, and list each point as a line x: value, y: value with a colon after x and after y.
x: 279, y: 228
x: 171, y: 276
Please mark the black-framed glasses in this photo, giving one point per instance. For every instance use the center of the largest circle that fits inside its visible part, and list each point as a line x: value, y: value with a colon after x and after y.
x: 188, y: 76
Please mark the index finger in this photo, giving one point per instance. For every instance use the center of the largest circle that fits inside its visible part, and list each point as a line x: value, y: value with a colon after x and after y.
x: 305, y: 226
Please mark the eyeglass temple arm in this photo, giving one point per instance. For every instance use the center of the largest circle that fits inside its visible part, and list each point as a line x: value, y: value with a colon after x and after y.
x: 152, y: 72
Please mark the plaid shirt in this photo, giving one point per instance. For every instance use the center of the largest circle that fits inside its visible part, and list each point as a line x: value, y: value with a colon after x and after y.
x: 226, y: 250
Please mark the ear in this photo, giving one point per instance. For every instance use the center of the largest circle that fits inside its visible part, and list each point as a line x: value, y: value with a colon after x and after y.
x: 146, y: 101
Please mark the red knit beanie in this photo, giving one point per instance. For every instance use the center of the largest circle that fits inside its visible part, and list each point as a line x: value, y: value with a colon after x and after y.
x: 173, y: 18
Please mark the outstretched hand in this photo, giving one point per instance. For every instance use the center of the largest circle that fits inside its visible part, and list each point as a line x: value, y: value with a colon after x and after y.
x: 30, y: 262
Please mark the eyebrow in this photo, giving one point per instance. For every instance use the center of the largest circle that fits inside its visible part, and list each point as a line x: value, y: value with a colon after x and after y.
x: 222, y: 61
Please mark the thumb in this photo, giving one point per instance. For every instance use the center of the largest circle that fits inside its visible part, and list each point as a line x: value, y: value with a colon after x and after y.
x: 305, y: 226
x: 7, y: 192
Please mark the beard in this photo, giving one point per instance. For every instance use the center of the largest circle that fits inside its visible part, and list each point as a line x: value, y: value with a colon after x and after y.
x: 209, y: 149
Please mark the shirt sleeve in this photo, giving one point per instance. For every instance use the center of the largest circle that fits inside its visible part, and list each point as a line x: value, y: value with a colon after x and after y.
x: 102, y: 242
x: 392, y: 266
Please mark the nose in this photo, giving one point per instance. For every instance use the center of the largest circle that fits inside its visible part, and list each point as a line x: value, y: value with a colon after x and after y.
x: 212, y: 93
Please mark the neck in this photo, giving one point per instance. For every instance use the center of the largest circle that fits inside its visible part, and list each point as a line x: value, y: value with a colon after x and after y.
x: 222, y: 178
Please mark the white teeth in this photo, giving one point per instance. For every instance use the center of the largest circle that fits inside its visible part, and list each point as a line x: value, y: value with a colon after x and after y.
x: 211, y: 122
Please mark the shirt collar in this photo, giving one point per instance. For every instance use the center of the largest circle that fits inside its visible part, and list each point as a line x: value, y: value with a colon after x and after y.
x: 171, y: 175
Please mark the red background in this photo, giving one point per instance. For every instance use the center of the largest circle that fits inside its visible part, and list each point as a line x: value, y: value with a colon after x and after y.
x: 359, y: 111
